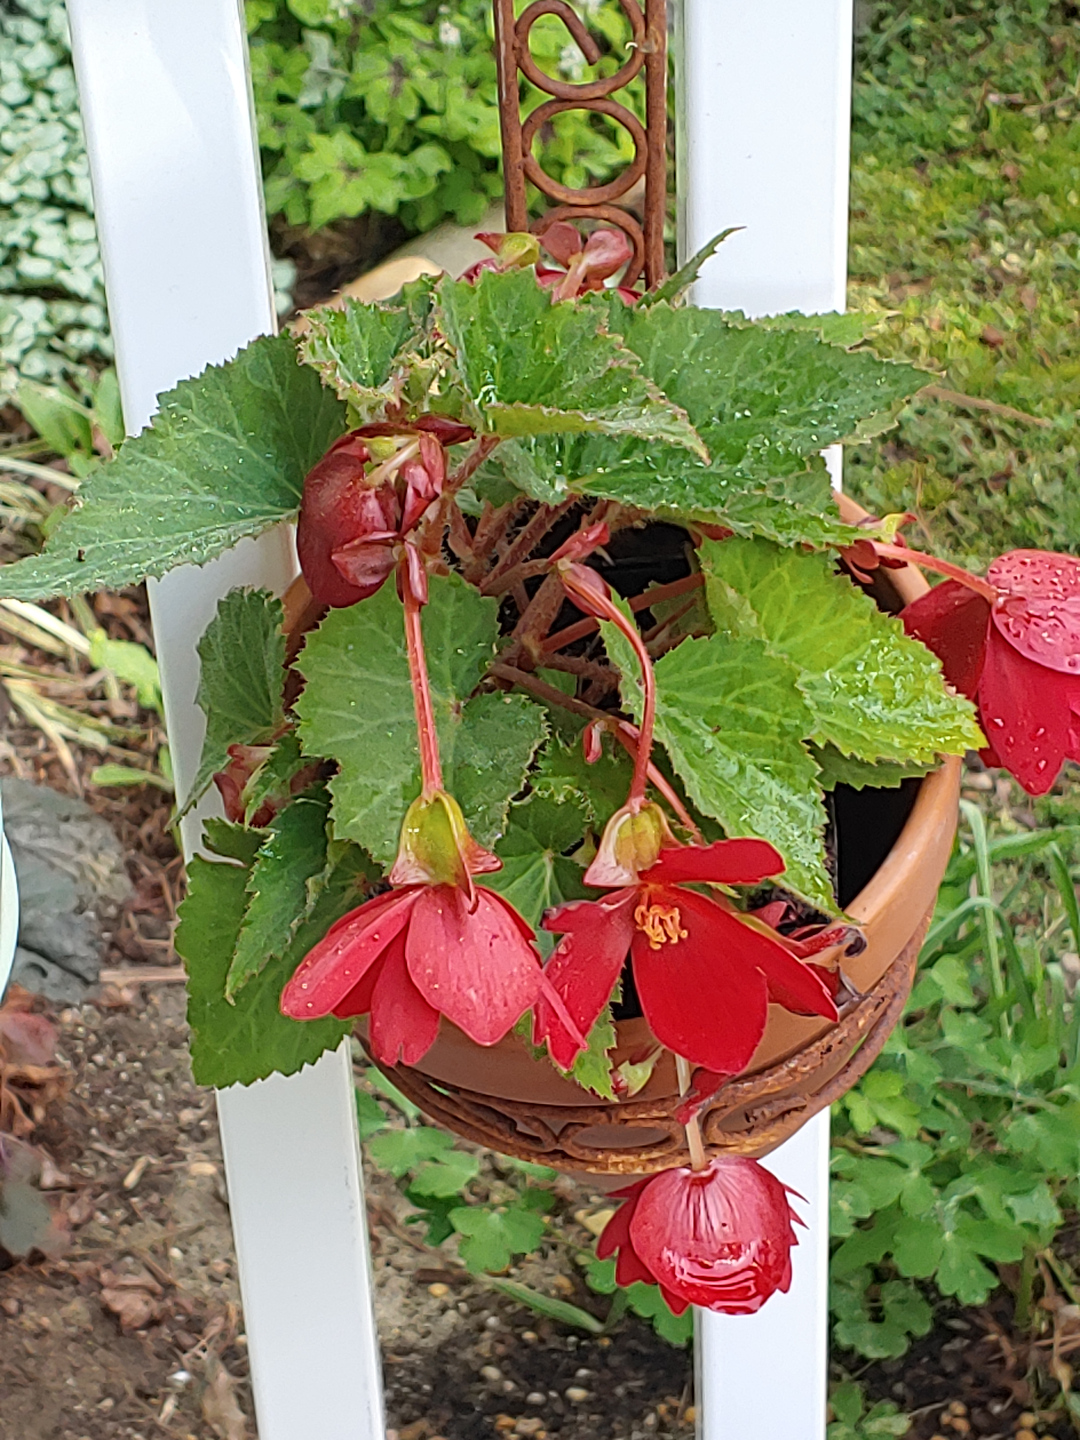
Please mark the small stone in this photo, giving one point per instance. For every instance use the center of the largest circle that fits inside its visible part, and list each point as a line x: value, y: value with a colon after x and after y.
x: 594, y: 1221
x: 530, y: 1425
x: 1027, y: 1420
x: 530, y: 1337
x: 201, y: 1168
x: 582, y: 1374
x: 491, y: 1323
x: 491, y: 1373
x: 10, y: 1307
x: 576, y: 1395
x: 957, y: 1407
x: 175, y: 1253
x: 438, y: 1290
x: 508, y: 1387
x: 565, y: 1286
x: 1026, y: 1435
x: 535, y: 1397
x: 690, y: 1415
x: 505, y: 1424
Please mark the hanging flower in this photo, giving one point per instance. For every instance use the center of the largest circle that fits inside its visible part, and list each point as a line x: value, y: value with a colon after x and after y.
x: 588, y: 262
x: 1011, y: 643
x: 719, y: 1237
x: 352, y: 516
x: 704, y: 973
x: 436, y: 944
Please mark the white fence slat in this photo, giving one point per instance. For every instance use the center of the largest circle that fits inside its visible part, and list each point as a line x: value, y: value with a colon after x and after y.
x: 765, y: 1375
x: 764, y: 105
x: 166, y: 103
x: 9, y: 908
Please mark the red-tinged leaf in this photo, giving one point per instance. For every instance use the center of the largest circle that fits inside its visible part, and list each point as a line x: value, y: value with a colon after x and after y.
x: 720, y: 1237
x: 1040, y: 611
x: 726, y: 862
x: 26, y: 1039
x: 334, y: 967
x: 704, y: 995
x: 403, y: 1024
x: 476, y: 967
x: 1026, y: 713
x: 952, y: 621
x: 583, y: 968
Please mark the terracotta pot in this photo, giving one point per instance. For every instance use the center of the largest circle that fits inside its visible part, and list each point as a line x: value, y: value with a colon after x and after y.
x: 503, y: 1098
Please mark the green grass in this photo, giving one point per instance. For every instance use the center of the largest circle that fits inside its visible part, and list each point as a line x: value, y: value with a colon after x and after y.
x: 965, y: 237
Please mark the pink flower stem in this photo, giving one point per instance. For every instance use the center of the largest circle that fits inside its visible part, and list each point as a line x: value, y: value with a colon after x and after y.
x: 581, y: 628
x: 426, y: 733
x: 694, y: 1142
x: 627, y: 736
x: 939, y: 567
x: 629, y: 630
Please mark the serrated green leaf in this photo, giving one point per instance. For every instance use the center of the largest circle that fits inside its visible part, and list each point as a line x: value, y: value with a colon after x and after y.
x: 536, y: 873
x: 225, y: 457
x: 232, y: 842
x: 273, y: 778
x: 564, y: 775
x: 357, y: 708
x: 872, y: 691
x: 531, y: 367
x: 592, y: 1067
x: 732, y: 720
x: 242, y: 654
x: 236, y: 1044
x: 354, y: 347
x: 291, y: 856
x: 491, y: 1238
x: 401, y: 1151
x: 837, y: 769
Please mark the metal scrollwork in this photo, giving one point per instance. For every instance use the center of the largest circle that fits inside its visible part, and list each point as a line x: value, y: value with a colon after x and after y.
x: 648, y: 52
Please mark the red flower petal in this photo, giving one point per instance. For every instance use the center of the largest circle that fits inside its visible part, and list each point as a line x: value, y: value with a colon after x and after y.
x: 1040, y: 611
x: 403, y: 1024
x: 337, y: 964
x: 704, y: 995
x: 1026, y: 712
x: 796, y: 986
x: 727, y: 862
x: 952, y: 621
x: 584, y: 967
x: 720, y: 1237
x: 476, y: 967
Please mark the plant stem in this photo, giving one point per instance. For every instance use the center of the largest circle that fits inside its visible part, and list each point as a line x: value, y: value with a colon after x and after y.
x: 581, y: 628
x: 472, y: 462
x: 1024, y: 1290
x: 939, y: 567
x: 694, y: 1143
x: 426, y: 733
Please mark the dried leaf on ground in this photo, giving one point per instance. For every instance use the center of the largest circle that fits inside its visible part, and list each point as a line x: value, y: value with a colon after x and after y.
x: 220, y: 1407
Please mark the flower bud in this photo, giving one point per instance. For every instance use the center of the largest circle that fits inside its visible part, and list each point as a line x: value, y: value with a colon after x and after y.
x: 631, y: 843
x: 436, y: 847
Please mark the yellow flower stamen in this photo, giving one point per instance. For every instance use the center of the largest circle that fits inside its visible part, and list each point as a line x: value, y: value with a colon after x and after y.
x: 660, y: 924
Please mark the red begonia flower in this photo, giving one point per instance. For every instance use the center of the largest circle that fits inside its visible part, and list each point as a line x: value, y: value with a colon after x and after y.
x: 436, y: 944
x: 1017, y: 657
x: 704, y: 973
x: 353, y: 512
x: 720, y: 1237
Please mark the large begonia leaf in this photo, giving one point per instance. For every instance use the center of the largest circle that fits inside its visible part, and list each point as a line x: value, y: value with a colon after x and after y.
x: 534, y: 368
x: 246, y: 1041
x: 732, y: 720
x: 242, y: 655
x: 357, y: 709
x: 225, y: 457
x: 358, y: 348
x: 872, y: 691
x: 290, y: 858
x: 537, y: 872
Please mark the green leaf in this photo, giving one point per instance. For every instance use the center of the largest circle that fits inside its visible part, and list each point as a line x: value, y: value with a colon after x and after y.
x: 961, y: 1273
x: 236, y: 1044
x: 536, y: 872
x: 592, y: 1067
x: 647, y: 1302
x: 762, y: 398
x: 491, y: 1238
x: 402, y: 1151
x: 564, y: 775
x: 272, y: 780
x: 732, y: 720
x: 292, y: 855
x: 232, y: 842
x: 872, y: 691
x: 354, y: 348
x: 547, y: 1305
x: 879, y: 1330
x: 837, y: 769
x: 242, y: 656
x: 131, y: 663
x: 357, y: 708
x: 124, y: 775
x: 225, y: 457
x: 370, y: 1116
x: 531, y: 367
x: 449, y: 1175
x: 676, y: 286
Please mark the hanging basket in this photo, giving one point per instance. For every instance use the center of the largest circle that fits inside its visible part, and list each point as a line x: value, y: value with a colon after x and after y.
x: 504, y: 1098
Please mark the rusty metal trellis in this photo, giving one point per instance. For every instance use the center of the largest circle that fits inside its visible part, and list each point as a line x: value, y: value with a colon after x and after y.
x: 648, y: 52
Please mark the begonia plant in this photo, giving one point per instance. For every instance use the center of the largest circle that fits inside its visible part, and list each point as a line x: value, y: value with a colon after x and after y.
x: 548, y: 722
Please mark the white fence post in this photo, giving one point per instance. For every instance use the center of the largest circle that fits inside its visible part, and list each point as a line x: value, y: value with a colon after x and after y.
x: 764, y: 104
x: 166, y: 103
x: 9, y: 908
